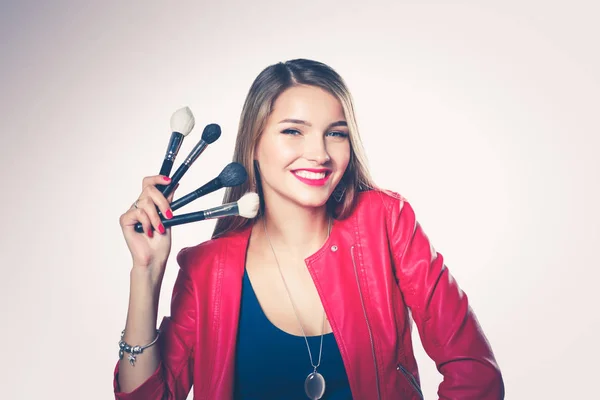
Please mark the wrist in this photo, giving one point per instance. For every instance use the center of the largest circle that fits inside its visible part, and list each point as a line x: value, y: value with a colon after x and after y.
x: 144, y: 295
x: 151, y: 273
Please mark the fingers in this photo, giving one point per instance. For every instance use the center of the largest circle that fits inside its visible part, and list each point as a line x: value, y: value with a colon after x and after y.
x: 145, y: 220
x: 135, y: 215
x: 149, y: 187
x: 150, y: 202
x: 155, y: 180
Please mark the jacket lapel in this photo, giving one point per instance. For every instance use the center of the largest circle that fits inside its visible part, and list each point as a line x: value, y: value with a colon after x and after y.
x: 338, y: 274
x: 227, y: 274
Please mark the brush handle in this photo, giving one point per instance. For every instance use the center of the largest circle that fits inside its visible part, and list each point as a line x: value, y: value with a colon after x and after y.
x: 221, y: 211
x: 166, y: 167
x: 205, y: 189
x: 175, y: 179
x: 178, y: 220
x: 172, y: 150
x: 165, y: 170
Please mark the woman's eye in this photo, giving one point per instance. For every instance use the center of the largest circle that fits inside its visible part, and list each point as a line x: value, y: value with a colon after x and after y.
x: 338, y: 134
x: 291, y: 132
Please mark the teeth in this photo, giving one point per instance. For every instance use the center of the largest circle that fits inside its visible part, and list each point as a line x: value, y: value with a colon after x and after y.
x: 310, y: 175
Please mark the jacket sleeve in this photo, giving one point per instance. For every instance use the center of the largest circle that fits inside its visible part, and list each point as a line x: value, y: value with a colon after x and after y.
x: 449, y: 330
x: 173, y: 377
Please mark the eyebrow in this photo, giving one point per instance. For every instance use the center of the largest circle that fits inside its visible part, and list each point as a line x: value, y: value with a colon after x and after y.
x: 301, y: 122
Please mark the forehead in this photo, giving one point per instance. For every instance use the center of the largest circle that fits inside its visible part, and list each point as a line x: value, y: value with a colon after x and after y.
x: 308, y: 103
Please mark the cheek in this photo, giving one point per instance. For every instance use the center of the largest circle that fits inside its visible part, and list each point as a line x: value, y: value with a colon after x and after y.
x: 340, y: 154
x: 277, y: 151
x: 281, y: 151
x: 288, y: 150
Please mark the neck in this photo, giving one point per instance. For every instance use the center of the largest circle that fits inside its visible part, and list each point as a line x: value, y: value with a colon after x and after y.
x: 301, y: 231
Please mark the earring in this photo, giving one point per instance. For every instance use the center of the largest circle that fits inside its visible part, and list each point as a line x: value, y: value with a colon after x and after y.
x: 338, y: 192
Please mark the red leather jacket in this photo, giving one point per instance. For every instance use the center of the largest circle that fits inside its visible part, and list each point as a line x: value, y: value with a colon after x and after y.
x: 375, y: 266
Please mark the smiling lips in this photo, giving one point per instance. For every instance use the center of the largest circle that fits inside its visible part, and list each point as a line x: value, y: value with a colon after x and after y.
x: 313, y: 177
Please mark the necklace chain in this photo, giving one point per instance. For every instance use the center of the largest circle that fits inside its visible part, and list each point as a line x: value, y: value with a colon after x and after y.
x: 291, y: 301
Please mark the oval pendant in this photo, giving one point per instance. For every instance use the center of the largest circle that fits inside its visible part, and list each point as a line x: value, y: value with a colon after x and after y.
x: 314, y: 386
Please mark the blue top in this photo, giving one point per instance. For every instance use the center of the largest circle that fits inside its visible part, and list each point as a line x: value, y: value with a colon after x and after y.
x: 272, y: 364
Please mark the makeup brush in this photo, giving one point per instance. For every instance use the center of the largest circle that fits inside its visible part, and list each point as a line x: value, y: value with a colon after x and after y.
x: 246, y: 207
x: 210, y: 134
x: 233, y: 174
x: 182, y: 123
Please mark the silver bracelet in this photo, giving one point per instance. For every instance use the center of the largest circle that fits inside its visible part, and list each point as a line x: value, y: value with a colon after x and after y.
x: 133, y: 350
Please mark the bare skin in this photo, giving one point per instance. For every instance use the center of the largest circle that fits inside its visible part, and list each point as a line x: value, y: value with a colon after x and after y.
x: 270, y: 291
x: 149, y: 253
x: 295, y: 214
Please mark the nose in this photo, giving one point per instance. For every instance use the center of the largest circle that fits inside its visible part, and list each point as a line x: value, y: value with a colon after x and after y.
x: 315, y: 150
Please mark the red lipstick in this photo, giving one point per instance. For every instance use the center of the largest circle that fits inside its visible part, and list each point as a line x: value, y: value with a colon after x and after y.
x: 312, y: 181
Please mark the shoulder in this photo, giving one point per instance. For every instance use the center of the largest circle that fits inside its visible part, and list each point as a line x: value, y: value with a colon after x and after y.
x: 210, y: 251
x: 380, y: 200
x: 382, y: 206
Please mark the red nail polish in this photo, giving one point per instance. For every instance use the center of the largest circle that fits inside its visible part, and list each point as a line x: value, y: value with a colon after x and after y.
x: 150, y: 233
x: 166, y: 178
x: 161, y: 228
x: 169, y: 214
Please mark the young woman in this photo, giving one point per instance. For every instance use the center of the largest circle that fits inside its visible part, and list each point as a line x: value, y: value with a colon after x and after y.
x: 311, y: 298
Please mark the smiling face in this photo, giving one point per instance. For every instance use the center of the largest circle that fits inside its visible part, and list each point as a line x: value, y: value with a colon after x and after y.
x: 304, y: 148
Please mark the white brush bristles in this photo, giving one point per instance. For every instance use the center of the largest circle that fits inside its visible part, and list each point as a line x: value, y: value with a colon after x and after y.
x: 183, y: 121
x: 248, y: 205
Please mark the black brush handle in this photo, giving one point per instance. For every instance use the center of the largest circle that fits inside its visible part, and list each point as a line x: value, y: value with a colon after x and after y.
x: 221, y: 211
x: 205, y: 189
x: 165, y: 170
x: 166, y: 167
x: 177, y: 220
x: 175, y: 179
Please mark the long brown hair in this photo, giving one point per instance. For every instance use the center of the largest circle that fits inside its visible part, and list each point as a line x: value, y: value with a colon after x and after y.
x: 265, y: 89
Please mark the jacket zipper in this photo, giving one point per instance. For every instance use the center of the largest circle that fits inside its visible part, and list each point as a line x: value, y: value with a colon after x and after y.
x: 368, y: 324
x: 411, y: 380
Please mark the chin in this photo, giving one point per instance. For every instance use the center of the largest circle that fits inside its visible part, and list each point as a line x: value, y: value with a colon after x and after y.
x: 311, y: 203
x: 303, y: 195
x: 309, y: 198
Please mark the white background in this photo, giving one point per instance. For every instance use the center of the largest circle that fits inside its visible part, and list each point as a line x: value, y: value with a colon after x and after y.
x: 485, y: 115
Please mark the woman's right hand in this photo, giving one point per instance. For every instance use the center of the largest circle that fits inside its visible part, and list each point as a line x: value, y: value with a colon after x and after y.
x: 149, y: 250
